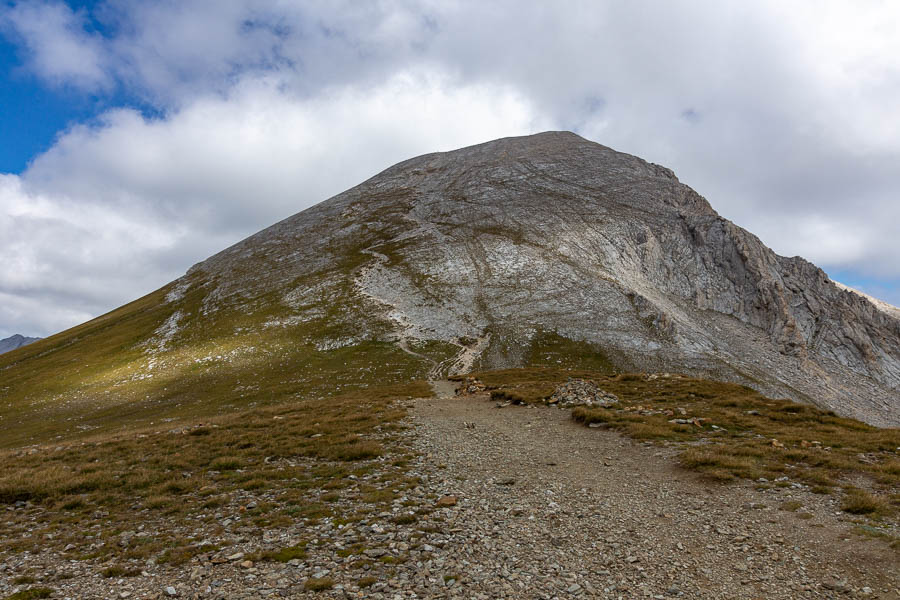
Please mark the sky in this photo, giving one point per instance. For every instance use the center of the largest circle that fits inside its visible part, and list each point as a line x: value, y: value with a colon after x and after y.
x: 138, y: 137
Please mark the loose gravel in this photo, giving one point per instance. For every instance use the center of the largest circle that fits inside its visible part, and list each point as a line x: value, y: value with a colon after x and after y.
x: 520, y: 502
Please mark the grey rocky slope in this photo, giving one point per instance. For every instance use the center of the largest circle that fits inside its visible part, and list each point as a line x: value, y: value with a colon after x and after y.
x: 15, y: 341
x: 486, y: 247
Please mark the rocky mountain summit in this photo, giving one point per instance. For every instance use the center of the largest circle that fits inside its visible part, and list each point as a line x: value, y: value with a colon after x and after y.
x: 15, y: 341
x: 481, y: 250
x: 263, y: 427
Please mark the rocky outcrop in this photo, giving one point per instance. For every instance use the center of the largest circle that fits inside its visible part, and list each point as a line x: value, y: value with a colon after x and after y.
x: 554, y: 233
x: 581, y: 392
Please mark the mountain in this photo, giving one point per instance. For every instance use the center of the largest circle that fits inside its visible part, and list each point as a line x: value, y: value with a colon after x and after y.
x: 15, y: 341
x: 515, y: 252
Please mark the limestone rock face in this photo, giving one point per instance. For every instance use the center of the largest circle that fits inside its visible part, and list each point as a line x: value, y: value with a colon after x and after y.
x: 485, y: 247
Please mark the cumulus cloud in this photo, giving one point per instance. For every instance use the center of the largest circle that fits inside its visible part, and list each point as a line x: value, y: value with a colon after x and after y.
x: 122, y: 206
x: 56, y: 45
x: 782, y: 114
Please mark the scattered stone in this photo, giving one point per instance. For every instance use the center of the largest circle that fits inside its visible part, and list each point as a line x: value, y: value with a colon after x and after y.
x: 836, y: 585
x: 581, y: 392
x: 471, y: 386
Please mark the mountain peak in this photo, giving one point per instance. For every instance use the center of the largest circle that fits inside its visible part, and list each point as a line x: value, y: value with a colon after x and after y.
x: 497, y: 242
x: 501, y: 255
x: 15, y: 341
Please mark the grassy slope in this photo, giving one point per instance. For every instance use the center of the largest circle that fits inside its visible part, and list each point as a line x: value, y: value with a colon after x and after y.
x: 103, y: 376
x: 296, y: 459
x: 112, y: 423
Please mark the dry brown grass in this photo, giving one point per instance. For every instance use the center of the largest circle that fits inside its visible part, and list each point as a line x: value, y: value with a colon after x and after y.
x: 299, y: 449
x: 861, y: 502
x: 31, y: 594
x: 318, y: 584
x: 740, y: 433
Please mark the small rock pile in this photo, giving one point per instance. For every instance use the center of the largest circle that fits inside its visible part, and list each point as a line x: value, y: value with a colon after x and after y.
x: 581, y: 392
x: 471, y: 386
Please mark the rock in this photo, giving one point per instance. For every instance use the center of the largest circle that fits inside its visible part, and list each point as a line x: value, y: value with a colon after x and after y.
x: 171, y: 591
x: 471, y: 386
x: 679, y: 280
x: 836, y: 585
x: 581, y: 392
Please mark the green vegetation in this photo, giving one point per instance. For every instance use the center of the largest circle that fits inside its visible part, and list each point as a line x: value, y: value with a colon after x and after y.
x: 285, y: 554
x: 319, y: 584
x: 174, y: 356
x: 861, y: 502
x: 32, y: 594
x: 119, y: 571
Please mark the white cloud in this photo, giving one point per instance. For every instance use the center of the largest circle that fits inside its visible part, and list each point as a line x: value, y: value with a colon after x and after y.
x: 58, y: 48
x: 117, y: 209
x: 782, y: 114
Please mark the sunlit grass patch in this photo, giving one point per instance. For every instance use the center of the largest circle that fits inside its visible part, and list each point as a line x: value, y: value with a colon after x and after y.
x: 284, y: 554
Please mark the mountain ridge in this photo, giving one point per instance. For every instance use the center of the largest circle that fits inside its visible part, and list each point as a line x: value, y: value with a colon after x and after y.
x: 792, y: 301
x: 15, y: 341
x: 533, y: 250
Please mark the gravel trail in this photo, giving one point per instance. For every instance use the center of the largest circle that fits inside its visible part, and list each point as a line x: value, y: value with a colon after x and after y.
x: 550, y: 509
x: 517, y: 503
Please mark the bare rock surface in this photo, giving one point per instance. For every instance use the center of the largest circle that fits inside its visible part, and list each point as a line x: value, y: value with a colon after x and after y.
x: 485, y: 247
x: 15, y: 341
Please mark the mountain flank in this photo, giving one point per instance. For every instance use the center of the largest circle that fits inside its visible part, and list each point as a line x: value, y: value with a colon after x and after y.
x: 15, y: 341
x: 372, y: 399
x: 485, y: 250
x: 493, y: 256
